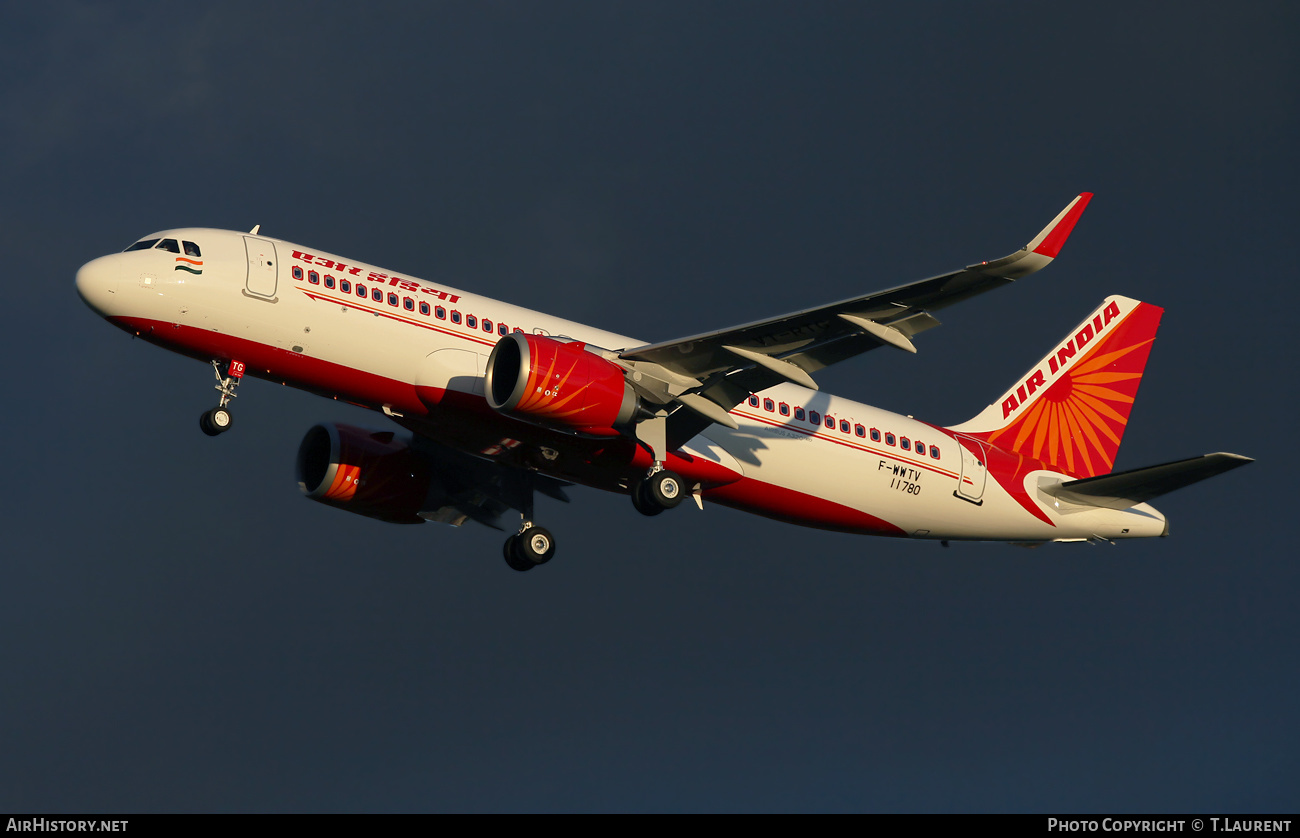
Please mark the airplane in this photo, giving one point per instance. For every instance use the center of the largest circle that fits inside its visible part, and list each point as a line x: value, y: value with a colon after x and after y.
x: 501, y: 403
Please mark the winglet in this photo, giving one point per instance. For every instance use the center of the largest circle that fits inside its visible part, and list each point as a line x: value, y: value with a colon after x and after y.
x: 1040, y: 252
x: 1050, y: 241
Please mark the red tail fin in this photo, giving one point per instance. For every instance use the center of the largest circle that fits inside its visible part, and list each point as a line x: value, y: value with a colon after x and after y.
x: 1070, y: 410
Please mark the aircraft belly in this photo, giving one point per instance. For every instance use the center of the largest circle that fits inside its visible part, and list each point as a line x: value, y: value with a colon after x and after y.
x: 798, y: 478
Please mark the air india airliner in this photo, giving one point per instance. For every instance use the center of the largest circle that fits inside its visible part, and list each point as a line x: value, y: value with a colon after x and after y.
x: 498, y: 402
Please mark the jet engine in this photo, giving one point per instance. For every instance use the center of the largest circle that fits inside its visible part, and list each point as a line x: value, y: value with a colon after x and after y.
x: 367, y: 472
x: 558, y: 384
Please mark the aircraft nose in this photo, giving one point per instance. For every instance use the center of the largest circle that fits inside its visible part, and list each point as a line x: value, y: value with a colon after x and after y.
x: 97, y: 283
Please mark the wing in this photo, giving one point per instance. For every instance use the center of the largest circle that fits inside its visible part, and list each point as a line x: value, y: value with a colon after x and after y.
x: 711, y: 373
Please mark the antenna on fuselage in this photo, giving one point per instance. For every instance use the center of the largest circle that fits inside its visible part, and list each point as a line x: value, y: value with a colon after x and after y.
x: 256, y: 227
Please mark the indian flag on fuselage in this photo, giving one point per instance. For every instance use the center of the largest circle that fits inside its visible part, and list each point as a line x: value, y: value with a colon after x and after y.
x: 1069, y: 411
x: 184, y: 263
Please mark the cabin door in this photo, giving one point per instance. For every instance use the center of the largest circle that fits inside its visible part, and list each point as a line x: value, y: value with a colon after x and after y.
x: 263, y: 268
x: 974, y: 470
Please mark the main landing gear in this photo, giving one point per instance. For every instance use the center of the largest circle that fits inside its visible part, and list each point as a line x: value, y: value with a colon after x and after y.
x: 657, y: 491
x: 532, y: 545
x: 218, y: 420
x: 660, y: 489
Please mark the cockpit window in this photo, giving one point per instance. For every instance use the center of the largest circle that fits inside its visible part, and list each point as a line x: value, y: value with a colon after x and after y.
x: 169, y: 245
x: 143, y: 244
x: 192, y: 249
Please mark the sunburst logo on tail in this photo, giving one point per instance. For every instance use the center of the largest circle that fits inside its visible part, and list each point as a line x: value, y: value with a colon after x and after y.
x: 1069, y: 413
x: 1077, y: 424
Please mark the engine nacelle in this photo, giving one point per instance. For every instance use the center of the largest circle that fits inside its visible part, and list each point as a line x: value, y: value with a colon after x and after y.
x: 558, y: 384
x: 366, y: 472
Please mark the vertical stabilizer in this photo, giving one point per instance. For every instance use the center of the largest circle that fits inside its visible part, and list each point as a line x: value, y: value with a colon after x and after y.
x: 1069, y: 410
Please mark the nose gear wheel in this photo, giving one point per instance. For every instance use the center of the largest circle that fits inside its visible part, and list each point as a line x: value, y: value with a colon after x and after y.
x: 216, y: 421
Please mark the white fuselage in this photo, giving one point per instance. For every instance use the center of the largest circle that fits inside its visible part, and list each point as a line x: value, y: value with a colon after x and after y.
x: 419, y: 352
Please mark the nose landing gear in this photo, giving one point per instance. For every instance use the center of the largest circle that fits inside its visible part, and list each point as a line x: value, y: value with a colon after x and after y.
x: 218, y: 420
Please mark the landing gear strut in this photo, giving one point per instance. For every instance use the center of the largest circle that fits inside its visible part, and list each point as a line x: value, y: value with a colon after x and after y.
x: 660, y: 489
x: 218, y: 420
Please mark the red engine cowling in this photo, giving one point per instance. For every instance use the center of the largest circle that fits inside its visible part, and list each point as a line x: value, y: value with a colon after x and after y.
x: 366, y: 472
x: 558, y: 384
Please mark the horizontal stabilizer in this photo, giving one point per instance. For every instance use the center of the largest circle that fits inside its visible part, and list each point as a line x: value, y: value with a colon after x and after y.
x: 1129, y: 488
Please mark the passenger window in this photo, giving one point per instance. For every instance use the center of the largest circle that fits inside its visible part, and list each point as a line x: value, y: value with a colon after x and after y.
x: 329, y: 281
x: 844, y: 425
x: 503, y: 329
x: 784, y: 409
x: 376, y: 295
x: 408, y: 304
x: 424, y: 308
x: 800, y: 414
x: 875, y: 435
x: 889, y: 439
x: 860, y: 431
x: 487, y: 325
x: 769, y: 405
x: 345, y: 286
x: 392, y: 299
x: 753, y: 401
x: 440, y: 313
x: 920, y: 448
x: 455, y: 317
x: 471, y: 321
x: 905, y: 444
x: 146, y: 244
x: 830, y: 422
x: 361, y: 290
x: 814, y: 417
x: 297, y: 272
x: 192, y: 249
x: 934, y: 452
x: 313, y: 277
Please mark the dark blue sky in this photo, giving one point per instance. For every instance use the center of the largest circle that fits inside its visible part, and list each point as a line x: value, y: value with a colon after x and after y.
x: 183, y: 631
